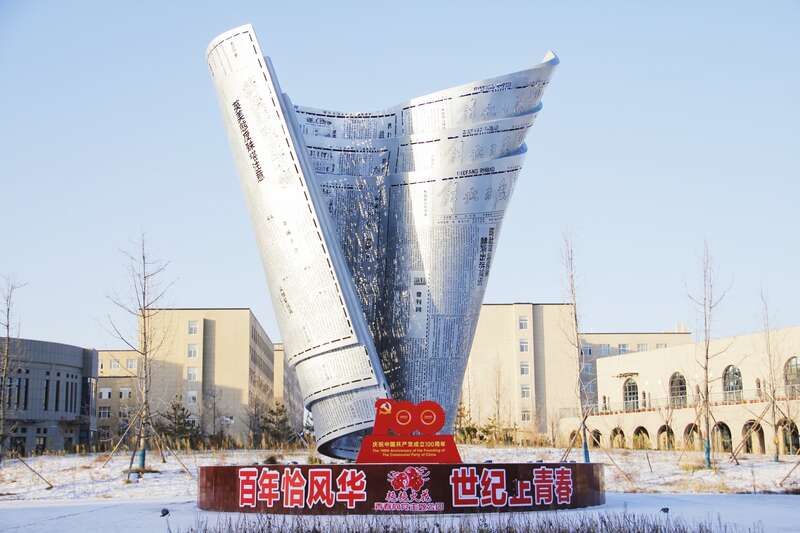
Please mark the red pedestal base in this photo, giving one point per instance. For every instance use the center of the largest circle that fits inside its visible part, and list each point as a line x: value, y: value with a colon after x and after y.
x: 407, y: 488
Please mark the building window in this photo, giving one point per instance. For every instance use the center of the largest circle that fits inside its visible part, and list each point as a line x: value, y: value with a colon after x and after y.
x: 586, y: 349
x: 104, y: 411
x: 114, y: 363
x: 759, y: 392
x: 791, y: 377
x: 677, y: 391
x: 191, y: 374
x: 732, y: 384
x: 105, y: 394
x: 525, y: 392
x: 661, y: 345
x: 525, y: 415
x: 641, y: 347
x: 522, y: 323
x: 623, y: 348
x: 131, y: 364
x: 191, y: 397
x: 125, y: 393
x: 41, y: 444
x: 192, y: 330
x: 605, y: 349
x: 524, y: 368
x: 58, y: 394
x: 630, y: 395
x: 46, y: 394
x: 523, y: 345
x: 191, y: 351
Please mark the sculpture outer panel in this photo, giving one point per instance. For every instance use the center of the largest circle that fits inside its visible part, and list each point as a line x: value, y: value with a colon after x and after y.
x: 377, y: 230
x: 325, y: 335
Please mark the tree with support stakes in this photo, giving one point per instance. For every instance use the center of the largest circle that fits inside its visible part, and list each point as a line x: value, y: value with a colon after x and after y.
x: 707, y: 304
x: 9, y: 361
x: 146, y: 294
x: 6, y: 363
x: 574, y: 338
x: 772, y: 382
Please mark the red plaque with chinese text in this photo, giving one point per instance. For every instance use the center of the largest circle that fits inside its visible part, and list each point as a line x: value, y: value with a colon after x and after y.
x: 405, y: 432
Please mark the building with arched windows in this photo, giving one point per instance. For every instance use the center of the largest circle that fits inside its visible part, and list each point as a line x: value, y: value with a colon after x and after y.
x: 522, y: 372
x: 653, y: 399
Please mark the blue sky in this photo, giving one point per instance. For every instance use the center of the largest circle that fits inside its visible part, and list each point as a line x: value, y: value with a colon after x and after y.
x: 665, y: 125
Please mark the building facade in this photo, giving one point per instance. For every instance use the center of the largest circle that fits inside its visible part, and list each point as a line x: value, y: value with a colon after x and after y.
x: 50, y: 396
x: 523, y: 367
x: 218, y: 363
x: 287, y: 389
x: 596, y: 346
x: 118, y: 394
x: 653, y: 399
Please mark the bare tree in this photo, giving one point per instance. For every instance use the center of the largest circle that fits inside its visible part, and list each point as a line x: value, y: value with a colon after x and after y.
x: 777, y: 385
x: 146, y: 293
x: 9, y: 288
x: 255, y: 413
x: 574, y: 337
x: 707, y: 303
x: 498, y: 398
x: 211, y: 402
x: 772, y: 386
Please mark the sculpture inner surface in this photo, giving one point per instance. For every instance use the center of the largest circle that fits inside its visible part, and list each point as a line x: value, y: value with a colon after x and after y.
x: 376, y: 230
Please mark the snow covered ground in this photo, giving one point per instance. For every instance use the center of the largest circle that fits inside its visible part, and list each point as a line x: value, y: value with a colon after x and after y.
x: 739, y: 512
x: 89, y: 497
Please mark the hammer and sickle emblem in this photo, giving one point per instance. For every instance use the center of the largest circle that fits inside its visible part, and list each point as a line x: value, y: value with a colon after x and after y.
x: 385, y: 408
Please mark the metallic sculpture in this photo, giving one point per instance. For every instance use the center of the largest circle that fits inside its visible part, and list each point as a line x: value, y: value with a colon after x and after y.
x: 376, y: 230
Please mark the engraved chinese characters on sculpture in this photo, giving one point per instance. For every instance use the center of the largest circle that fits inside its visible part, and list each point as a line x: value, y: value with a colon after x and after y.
x: 377, y: 230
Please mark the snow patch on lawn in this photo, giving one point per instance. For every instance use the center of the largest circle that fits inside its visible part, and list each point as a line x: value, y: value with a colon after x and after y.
x: 84, y: 477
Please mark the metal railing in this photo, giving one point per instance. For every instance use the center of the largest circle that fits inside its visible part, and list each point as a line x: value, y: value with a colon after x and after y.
x: 690, y: 401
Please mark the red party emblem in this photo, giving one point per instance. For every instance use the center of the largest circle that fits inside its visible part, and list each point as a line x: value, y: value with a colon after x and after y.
x: 404, y: 418
x: 406, y: 432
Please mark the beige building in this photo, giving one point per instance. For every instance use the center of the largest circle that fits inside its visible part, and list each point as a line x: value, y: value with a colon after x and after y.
x: 287, y: 389
x: 651, y: 399
x: 117, y: 393
x: 523, y: 366
x: 600, y: 345
x: 218, y: 362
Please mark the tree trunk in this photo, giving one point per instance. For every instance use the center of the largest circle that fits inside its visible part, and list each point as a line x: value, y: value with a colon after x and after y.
x: 774, y: 429
x: 707, y: 417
